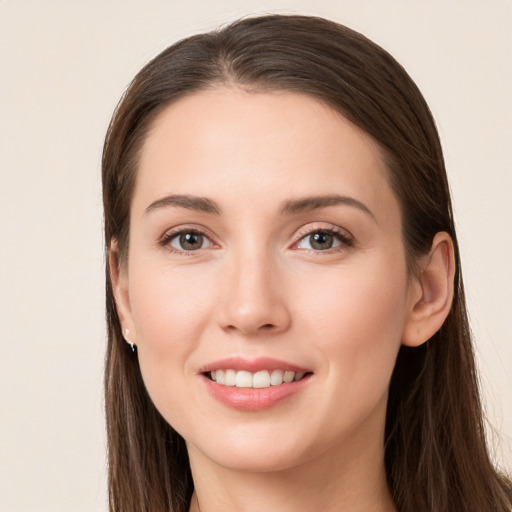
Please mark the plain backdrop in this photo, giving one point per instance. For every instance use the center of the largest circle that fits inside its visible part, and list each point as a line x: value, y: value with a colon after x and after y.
x: 63, y: 66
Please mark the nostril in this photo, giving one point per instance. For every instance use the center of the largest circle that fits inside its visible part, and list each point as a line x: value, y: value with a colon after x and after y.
x: 251, y: 329
x: 252, y: 318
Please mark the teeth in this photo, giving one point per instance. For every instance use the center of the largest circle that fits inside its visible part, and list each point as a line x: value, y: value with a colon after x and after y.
x: 243, y: 379
x: 230, y: 378
x: 221, y: 377
x: 288, y: 376
x: 276, y: 377
x: 262, y: 379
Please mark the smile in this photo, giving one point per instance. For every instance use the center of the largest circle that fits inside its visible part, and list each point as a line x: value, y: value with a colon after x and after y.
x: 257, y: 380
x: 254, y: 384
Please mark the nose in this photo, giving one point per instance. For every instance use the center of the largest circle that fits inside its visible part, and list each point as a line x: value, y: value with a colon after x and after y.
x: 253, y: 299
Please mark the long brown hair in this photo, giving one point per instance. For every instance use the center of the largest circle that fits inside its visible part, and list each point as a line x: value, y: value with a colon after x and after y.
x: 435, y: 453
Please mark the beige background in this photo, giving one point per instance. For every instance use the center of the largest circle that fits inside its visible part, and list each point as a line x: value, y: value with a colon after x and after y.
x: 63, y: 66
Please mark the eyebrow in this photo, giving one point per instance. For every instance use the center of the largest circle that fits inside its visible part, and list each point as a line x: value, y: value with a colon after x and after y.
x: 311, y: 203
x: 200, y: 204
x: 289, y: 207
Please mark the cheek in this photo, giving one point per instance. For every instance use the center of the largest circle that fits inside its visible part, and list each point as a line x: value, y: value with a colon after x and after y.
x: 358, y: 318
x: 355, y: 325
x: 170, y: 310
x: 169, y: 307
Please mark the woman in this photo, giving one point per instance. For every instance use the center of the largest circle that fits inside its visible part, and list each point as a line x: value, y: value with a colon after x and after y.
x: 287, y: 324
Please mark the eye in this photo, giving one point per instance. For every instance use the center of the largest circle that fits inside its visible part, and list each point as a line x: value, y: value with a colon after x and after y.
x: 323, y: 240
x: 188, y: 241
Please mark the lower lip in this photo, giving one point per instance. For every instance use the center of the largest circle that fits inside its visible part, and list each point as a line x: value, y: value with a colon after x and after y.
x: 253, y: 399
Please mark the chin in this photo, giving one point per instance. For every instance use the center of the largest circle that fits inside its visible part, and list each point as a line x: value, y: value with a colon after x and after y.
x: 256, y: 461
x: 251, y: 452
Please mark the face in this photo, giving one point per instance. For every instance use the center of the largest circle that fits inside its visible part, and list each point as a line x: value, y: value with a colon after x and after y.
x: 266, y: 285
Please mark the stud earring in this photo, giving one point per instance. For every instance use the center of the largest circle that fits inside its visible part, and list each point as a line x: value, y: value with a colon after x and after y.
x: 132, y: 345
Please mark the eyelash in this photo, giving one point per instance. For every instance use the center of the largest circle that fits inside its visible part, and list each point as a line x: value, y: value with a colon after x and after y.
x: 169, y: 237
x: 346, y: 240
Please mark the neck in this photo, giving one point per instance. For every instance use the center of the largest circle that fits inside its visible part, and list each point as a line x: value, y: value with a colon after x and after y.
x: 344, y: 479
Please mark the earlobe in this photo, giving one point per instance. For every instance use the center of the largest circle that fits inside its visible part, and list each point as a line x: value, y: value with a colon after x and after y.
x: 431, y: 292
x: 119, y: 281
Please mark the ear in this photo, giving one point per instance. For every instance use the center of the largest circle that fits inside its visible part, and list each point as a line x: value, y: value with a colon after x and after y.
x: 431, y: 292
x: 118, y: 271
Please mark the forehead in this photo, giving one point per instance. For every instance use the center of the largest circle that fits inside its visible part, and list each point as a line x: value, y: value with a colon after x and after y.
x: 256, y: 144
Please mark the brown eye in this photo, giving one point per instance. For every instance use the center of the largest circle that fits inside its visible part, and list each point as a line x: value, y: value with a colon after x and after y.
x: 321, y: 241
x: 189, y: 241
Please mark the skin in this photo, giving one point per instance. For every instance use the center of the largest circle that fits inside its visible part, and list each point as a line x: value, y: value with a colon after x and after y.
x: 257, y: 288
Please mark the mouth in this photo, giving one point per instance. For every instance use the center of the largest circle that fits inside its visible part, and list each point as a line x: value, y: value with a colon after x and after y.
x: 254, y: 384
x: 257, y: 380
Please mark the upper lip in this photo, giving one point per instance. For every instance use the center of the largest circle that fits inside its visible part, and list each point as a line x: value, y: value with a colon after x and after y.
x: 238, y: 363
